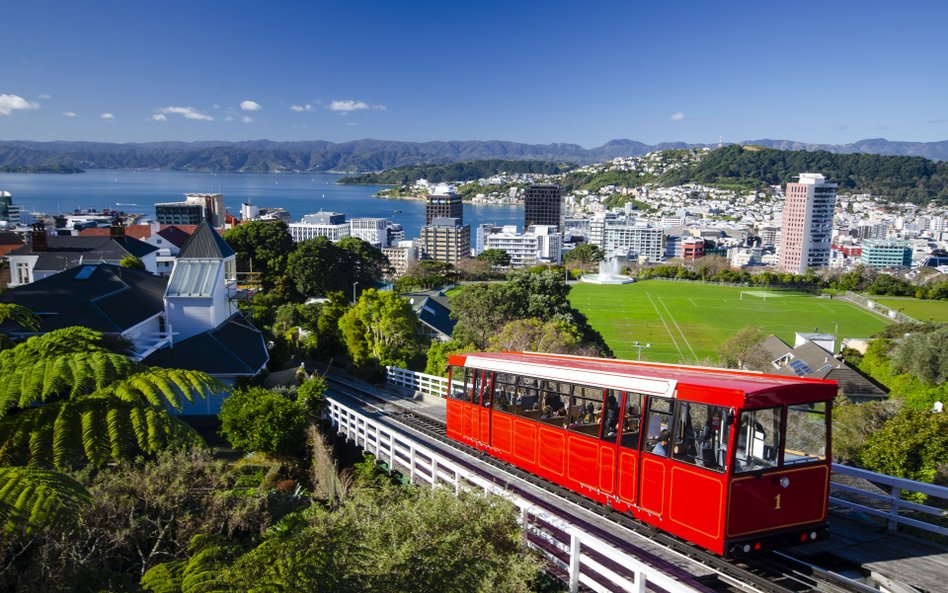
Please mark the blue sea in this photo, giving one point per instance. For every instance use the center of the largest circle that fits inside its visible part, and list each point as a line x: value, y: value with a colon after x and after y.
x: 300, y: 193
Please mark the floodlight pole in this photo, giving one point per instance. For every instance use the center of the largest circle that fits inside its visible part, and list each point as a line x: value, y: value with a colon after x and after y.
x: 354, y: 284
x: 640, y: 345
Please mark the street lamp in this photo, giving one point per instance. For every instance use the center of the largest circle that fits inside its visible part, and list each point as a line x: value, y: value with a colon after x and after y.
x: 354, y: 284
x: 640, y: 345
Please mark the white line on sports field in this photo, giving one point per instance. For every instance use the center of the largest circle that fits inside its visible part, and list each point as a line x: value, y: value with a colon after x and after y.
x: 668, y: 329
x: 678, y: 327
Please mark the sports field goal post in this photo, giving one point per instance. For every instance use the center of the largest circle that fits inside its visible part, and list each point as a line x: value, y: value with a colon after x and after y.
x: 754, y: 295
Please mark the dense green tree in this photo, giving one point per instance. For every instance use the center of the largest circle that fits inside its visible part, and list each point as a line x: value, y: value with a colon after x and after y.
x: 741, y: 350
x: 482, y: 308
x: 264, y: 248
x: 908, y: 387
x: 924, y: 355
x: 364, y: 262
x: 912, y: 444
x: 261, y: 420
x: 131, y: 262
x: 853, y: 423
x: 497, y: 258
x: 423, y: 275
x: 383, y: 327
x: 584, y: 255
x: 438, y: 353
x: 555, y: 336
x: 318, y: 267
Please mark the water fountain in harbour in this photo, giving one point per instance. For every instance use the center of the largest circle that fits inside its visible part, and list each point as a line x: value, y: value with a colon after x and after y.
x: 608, y: 273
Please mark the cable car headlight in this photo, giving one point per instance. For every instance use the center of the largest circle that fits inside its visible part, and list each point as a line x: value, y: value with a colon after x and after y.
x: 784, y: 482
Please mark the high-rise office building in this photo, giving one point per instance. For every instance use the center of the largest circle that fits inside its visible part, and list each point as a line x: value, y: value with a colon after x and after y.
x: 807, y: 224
x: 194, y: 209
x: 9, y: 213
x: 447, y: 205
x: 447, y: 240
x: 543, y: 205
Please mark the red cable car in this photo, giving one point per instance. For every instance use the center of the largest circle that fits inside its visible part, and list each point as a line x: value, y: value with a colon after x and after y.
x: 736, y: 462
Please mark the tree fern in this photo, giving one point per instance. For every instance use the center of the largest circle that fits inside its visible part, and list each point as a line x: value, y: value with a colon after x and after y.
x: 201, y: 573
x: 66, y: 375
x: 159, y: 387
x: 19, y: 315
x: 91, y: 429
x: 32, y: 498
x: 54, y: 343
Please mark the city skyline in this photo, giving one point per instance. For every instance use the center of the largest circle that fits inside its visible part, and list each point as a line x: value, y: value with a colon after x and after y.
x: 527, y: 72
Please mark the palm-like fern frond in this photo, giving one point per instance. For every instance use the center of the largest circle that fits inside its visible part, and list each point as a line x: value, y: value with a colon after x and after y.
x: 23, y: 384
x: 32, y: 498
x: 200, y: 573
x: 94, y: 429
x: 54, y: 343
x: 19, y: 315
x: 159, y: 387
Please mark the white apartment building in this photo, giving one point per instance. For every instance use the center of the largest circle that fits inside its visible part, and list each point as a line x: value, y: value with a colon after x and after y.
x: 402, y: 255
x: 807, y: 224
x: 638, y: 239
x: 371, y: 230
x: 540, y: 244
x: 331, y: 225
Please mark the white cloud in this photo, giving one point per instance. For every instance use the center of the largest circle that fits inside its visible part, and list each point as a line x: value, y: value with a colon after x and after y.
x: 107, y: 116
x: 306, y: 107
x: 216, y: 106
x: 349, y: 105
x: 69, y: 114
x: 228, y: 118
x: 186, y: 113
x: 159, y: 117
x: 250, y: 106
x: 246, y: 119
x: 45, y: 96
x: 11, y: 103
x: 678, y: 116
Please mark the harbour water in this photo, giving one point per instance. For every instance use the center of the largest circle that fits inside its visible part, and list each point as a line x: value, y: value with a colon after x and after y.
x: 299, y: 193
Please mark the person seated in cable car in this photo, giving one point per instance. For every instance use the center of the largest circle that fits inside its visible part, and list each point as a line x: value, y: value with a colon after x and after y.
x: 661, y: 447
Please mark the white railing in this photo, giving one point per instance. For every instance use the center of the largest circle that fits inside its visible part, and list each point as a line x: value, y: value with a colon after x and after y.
x: 879, y: 308
x: 419, y: 382
x: 888, y: 502
x: 582, y: 557
x: 890, y: 506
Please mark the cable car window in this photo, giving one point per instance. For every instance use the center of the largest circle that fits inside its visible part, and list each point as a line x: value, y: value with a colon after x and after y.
x: 632, y: 420
x: 488, y: 389
x: 527, y: 402
x: 610, y: 416
x: 700, y: 435
x: 553, y: 404
x: 472, y: 384
x: 585, y: 409
x: 505, y: 392
x: 806, y: 435
x: 457, y: 377
x: 658, y: 429
x: 758, y: 440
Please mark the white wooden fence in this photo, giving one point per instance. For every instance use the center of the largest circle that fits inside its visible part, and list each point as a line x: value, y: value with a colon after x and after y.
x: 890, y: 506
x: 583, y: 557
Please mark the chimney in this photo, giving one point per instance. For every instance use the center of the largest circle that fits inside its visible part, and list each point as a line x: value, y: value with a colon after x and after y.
x: 117, y: 229
x: 38, y: 237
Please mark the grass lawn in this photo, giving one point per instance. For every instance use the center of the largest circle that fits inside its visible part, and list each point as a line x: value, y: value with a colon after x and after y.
x: 916, y: 308
x: 685, y: 322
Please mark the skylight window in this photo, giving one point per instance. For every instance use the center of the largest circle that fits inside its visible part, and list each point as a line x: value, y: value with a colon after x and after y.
x: 193, y: 278
x: 85, y: 272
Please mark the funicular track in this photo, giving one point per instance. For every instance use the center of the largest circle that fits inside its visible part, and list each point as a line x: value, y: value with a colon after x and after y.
x: 771, y: 573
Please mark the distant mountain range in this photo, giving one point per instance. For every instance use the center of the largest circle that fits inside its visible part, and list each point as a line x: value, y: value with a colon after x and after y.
x: 264, y: 156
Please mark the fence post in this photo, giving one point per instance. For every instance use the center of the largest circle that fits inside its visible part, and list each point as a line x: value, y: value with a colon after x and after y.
x: 574, y: 549
x: 894, y: 506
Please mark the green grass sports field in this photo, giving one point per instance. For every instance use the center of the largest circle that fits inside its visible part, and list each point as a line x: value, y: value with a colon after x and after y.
x: 685, y: 322
x: 916, y: 308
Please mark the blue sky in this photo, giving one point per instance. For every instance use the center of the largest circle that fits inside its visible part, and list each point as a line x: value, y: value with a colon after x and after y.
x: 535, y: 72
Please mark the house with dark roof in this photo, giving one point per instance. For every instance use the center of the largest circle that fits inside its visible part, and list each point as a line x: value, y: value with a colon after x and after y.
x: 433, y: 313
x: 187, y: 320
x: 46, y: 254
x: 807, y: 358
x: 168, y: 238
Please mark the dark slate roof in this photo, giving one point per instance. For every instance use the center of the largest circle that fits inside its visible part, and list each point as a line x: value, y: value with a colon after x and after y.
x: 233, y: 348
x: 69, y: 251
x: 822, y: 365
x: 432, y: 310
x: 110, y: 300
x: 175, y: 235
x: 205, y: 243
